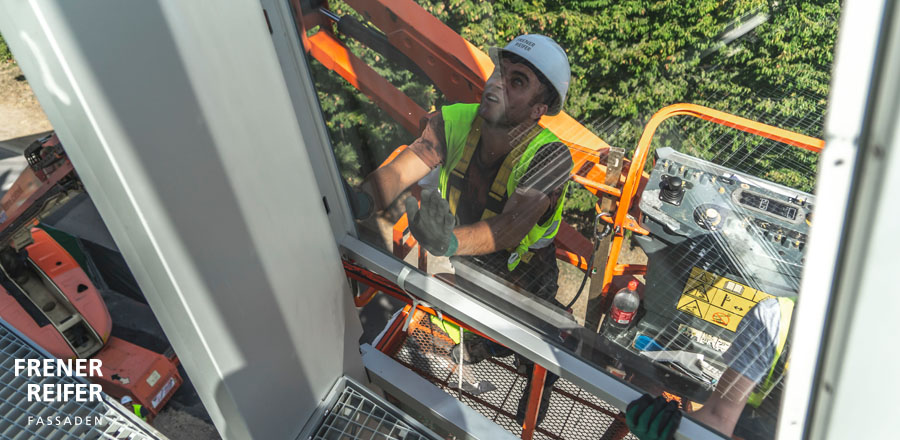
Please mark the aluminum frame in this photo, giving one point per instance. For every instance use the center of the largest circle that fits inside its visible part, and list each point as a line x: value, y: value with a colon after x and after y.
x: 855, y: 69
x: 299, y: 82
x: 847, y: 387
x: 183, y: 131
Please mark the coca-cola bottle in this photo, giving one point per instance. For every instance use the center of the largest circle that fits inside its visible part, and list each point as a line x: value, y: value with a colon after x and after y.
x: 623, y: 309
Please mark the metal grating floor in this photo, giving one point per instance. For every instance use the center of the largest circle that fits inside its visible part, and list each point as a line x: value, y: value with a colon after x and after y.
x: 573, y: 413
x: 112, y: 422
x: 354, y: 416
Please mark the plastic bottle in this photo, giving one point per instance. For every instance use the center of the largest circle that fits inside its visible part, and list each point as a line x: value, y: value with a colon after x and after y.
x: 623, y: 309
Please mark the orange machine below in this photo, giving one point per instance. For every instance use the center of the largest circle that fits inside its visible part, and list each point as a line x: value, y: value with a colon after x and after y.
x: 150, y: 378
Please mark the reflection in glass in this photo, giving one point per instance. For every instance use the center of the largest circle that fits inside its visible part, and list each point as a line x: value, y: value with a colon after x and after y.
x: 521, y: 210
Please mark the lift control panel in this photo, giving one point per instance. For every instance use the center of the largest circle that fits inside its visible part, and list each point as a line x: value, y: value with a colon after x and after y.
x: 721, y: 241
x: 690, y: 197
x: 762, y: 227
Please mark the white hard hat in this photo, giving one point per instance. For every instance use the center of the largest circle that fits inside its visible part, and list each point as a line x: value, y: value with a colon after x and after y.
x: 547, y: 57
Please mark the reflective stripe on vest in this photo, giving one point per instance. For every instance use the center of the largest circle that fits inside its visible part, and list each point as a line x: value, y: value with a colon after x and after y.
x: 462, y: 131
x: 786, y: 307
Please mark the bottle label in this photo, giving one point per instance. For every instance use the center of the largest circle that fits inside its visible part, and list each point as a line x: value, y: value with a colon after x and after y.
x: 621, y: 317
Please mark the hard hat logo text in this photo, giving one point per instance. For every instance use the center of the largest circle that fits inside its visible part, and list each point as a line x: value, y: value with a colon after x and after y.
x: 524, y: 44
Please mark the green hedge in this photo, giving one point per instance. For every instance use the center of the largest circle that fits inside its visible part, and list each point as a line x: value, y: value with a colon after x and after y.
x: 629, y: 59
x: 5, y: 54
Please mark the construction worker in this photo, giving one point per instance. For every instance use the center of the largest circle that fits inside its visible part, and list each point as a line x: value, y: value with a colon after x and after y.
x: 502, y: 179
x: 134, y: 407
x: 742, y: 403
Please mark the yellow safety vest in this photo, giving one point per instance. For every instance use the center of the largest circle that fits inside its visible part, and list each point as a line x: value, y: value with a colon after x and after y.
x: 786, y: 306
x: 462, y: 128
x: 137, y: 411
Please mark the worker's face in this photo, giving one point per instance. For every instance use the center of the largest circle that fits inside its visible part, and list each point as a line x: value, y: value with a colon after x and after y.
x: 512, y: 95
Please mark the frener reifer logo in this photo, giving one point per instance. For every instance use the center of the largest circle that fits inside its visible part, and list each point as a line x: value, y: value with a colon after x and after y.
x: 61, y: 392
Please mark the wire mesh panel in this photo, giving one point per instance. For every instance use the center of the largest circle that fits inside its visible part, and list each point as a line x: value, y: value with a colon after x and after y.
x: 21, y: 419
x: 494, y: 387
x: 354, y: 416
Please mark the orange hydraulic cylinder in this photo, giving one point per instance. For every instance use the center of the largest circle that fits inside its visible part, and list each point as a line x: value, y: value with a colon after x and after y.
x: 333, y: 55
x: 448, y: 59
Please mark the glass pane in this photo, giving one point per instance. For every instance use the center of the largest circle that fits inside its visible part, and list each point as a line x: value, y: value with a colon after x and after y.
x: 444, y: 124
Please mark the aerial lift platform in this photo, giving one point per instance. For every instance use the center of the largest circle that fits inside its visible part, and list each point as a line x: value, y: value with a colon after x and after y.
x: 221, y: 100
x: 688, y: 199
x: 48, y: 296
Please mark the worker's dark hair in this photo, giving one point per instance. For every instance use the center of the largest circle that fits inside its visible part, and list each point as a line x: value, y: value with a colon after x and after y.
x: 548, y: 94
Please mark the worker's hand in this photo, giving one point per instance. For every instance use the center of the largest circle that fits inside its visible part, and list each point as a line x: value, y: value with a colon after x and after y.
x: 653, y: 419
x: 361, y: 203
x: 432, y: 226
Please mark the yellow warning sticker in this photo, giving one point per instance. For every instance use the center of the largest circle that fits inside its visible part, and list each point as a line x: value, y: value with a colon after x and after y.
x: 717, y: 299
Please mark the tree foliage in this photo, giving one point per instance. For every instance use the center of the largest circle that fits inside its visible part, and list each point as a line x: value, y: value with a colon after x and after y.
x: 5, y: 54
x: 629, y: 59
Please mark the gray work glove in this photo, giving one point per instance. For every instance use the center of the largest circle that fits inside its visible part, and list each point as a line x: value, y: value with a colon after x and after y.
x: 361, y: 203
x: 432, y: 225
x: 653, y: 419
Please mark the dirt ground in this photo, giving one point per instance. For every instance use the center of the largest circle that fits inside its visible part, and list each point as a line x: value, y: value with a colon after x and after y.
x: 20, y: 113
x: 21, y: 121
x: 181, y: 425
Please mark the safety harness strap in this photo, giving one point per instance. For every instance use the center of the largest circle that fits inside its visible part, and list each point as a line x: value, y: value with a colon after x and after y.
x: 498, y: 191
x: 459, y: 171
x: 499, y: 186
